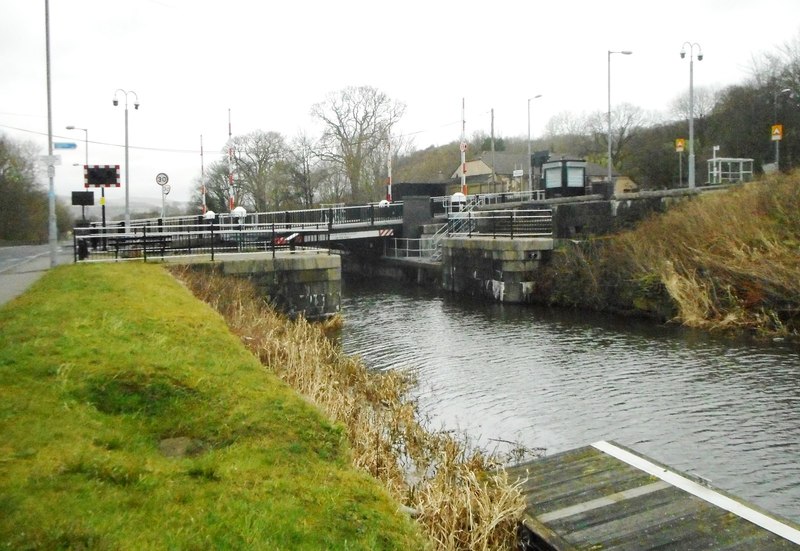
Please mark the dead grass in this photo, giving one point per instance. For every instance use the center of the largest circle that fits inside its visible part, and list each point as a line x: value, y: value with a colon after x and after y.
x: 720, y: 261
x: 729, y: 260
x: 456, y: 493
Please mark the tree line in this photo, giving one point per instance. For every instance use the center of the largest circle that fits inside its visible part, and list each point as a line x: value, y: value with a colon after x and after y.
x: 347, y: 162
x: 24, y: 203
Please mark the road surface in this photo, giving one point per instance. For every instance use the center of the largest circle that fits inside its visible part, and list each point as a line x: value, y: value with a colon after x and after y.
x: 21, y: 266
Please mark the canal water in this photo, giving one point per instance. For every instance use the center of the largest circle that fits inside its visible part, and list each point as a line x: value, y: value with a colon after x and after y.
x: 725, y: 410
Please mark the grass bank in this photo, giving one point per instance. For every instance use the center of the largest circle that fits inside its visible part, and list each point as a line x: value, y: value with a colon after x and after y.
x: 722, y: 261
x: 456, y: 492
x: 133, y: 419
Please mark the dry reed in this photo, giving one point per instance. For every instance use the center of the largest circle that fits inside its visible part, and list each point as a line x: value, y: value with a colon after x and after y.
x: 728, y: 260
x: 458, y: 494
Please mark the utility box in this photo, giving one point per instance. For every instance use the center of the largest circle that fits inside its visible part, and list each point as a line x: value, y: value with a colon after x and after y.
x: 564, y: 178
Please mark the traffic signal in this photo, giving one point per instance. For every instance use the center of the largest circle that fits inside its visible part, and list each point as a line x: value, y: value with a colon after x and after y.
x: 100, y: 175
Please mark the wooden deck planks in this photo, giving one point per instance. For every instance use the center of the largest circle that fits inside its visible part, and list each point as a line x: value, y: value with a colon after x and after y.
x: 603, y: 497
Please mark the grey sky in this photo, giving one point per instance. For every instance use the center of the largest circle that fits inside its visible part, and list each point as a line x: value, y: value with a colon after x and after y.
x: 189, y: 61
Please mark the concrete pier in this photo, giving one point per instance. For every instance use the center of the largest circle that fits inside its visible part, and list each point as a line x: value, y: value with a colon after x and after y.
x: 307, y: 283
x: 501, y: 269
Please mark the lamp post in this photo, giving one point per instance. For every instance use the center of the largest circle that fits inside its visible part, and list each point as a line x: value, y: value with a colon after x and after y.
x: 530, y: 163
x: 778, y: 142
x: 102, y: 188
x: 623, y: 52
x: 127, y: 170
x: 691, y: 46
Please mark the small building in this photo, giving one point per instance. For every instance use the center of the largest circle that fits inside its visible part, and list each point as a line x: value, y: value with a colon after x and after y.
x: 496, y: 172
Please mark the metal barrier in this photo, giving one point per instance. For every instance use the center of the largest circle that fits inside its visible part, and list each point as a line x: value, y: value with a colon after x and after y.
x: 298, y: 219
x: 504, y: 223
x: 209, y: 239
x: 409, y: 248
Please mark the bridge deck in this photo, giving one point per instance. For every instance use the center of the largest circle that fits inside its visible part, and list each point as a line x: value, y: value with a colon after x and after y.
x: 608, y: 497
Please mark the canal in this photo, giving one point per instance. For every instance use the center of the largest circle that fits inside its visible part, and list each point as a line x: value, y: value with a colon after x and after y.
x: 725, y: 410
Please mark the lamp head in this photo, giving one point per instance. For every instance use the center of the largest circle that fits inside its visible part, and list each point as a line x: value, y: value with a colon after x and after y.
x: 700, y: 57
x: 626, y: 52
x: 136, y: 105
x: 116, y: 102
x: 70, y: 127
x: 683, y: 54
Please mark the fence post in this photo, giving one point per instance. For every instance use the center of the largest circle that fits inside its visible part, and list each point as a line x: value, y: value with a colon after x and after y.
x: 372, y: 215
x: 212, y: 240
x: 272, y: 240
x: 330, y: 221
x: 144, y: 242
x: 469, y: 224
x: 511, y: 219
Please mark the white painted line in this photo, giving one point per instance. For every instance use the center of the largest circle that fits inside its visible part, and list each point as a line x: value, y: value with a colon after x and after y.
x: 602, y: 501
x: 760, y: 519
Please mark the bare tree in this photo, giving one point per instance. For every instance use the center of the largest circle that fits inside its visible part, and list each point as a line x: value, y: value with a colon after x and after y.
x: 705, y: 100
x: 357, y: 121
x: 301, y: 165
x: 257, y: 158
x: 625, y: 121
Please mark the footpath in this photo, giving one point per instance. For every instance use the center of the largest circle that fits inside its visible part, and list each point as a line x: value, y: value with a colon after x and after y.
x: 19, y: 276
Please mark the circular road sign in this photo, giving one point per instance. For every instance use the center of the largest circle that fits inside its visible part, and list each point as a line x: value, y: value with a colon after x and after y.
x: 162, y: 178
x: 166, y: 189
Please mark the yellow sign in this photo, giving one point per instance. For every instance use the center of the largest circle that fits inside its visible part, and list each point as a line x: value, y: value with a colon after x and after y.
x: 777, y: 132
x: 679, y: 145
x: 102, y: 200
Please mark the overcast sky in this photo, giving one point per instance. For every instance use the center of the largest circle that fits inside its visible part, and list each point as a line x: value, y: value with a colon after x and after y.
x: 190, y: 61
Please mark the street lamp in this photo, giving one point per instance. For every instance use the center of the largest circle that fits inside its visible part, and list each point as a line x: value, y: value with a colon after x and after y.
x: 778, y: 142
x: 623, y: 52
x: 127, y: 172
x: 530, y: 162
x: 692, y: 46
x: 102, y: 188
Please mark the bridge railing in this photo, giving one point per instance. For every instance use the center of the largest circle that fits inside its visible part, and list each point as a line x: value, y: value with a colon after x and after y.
x: 445, y: 205
x: 502, y: 223
x: 303, y: 218
x: 471, y: 223
x: 206, y: 239
x: 409, y: 248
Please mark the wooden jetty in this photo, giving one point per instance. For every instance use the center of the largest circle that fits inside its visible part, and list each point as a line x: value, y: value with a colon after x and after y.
x: 606, y: 496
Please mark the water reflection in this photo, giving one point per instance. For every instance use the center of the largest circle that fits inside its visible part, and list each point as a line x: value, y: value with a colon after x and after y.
x: 725, y: 410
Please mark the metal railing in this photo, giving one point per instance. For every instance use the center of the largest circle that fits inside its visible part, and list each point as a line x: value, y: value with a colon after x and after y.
x: 469, y: 223
x: 207, y: 239
x: 409, y: 248
x: 291, y: 219
x: 502, y: 223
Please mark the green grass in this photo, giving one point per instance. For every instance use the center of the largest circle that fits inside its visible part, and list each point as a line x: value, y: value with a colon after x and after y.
x: 100, y: 366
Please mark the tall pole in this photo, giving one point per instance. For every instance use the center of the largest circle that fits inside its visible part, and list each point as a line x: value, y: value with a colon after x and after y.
x: 530, y: 164
x: 127, y: 176
x: 389, y: 171
x: 202, y: 176
x: 691, y: 104
x: 126, y: 93
x: 530, y: 161
x: 231, y: 196
x: 494, y: 164
x: 51, y: 169
x: 463, y: 150
x: 623, y: 52
x: 778, y: 142
x: 102, y: 188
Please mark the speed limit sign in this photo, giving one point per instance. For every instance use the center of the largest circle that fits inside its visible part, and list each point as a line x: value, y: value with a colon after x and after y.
x: 162, y: 179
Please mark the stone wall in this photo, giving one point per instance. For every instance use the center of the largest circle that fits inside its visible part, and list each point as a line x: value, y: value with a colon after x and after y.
x: 503, y: 270
x: 308, y: 284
